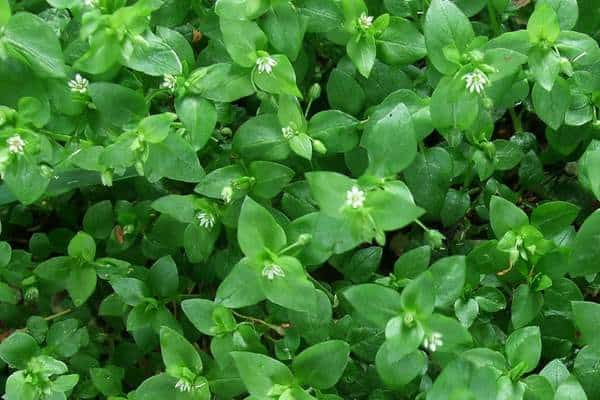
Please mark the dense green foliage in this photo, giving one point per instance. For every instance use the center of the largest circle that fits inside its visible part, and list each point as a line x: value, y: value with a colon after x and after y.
x: 294, y: 200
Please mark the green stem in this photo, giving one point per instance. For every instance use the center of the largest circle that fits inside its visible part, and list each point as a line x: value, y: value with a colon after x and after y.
x: 276, y: 328
x: 308, y: 108
x: 58, y: 314
x: 495, y: 25
x: 515, y: 120
x: 418, y: 222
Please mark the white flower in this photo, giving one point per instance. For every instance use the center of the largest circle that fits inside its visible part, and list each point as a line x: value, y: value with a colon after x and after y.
x: 91, y: 3
x: 476, y: 81
x: 16, y: 145
x: 433, y: 341
x: 206, y: 220
x: 183, y: 385
x: 365, y: 21
x: 226, y: 194
x: 266, y: 64
x: 79, y: 84
x: 288, y: 132
x: 272, y: 270
x: 355, y: 197
x: 169, y: 82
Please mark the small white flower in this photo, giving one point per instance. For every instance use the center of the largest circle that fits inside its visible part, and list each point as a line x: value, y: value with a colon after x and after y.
x: 288, y: 132
x: 266, y: 64
x: 206, y: 220
x: 91, y: 3
x: 272, y: 270
x: 226, y: 194
x: 365, y: 21
x: 183, y: 386
x: 169, y: 82
x: 355, y: 197
x: 433, y: 341
x: 79, y: 84
x: 476, y: 81
x: 16, y: 145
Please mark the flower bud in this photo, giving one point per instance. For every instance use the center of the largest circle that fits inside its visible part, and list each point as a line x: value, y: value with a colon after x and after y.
x: 32, y: 294
x: 139, y: 167
x: 489, y: 149
x: 571, y: 168
x: 304, y: 239
x: 314, y: 92
x: 319, y: 147
x: 435, y: 238
x: 488, y: 103
x: 566, y: 67
x: 107, y: 178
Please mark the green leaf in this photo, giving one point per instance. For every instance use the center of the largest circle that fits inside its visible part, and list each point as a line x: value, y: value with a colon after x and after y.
x: 387, y: 134
x: 118, y: 104
x: 204, y: 315
x: 174, y: 158
x: 329, y: 190
x: 182, y: 208
x: 258, y: 230
x: 149, y: 54
x: 82, y: 246
x: 553, y: 217
x: 524, y: 346
x: 260, y: 138
x: 281, y: 80
x: 362, y: 50
x: 285, y: 28
x: 35, y: 41
x: 551, y: 106
x: 271, y: 178
x: 446, y: 27
x: 108, y: 380
x: 241, y: 287
x: 98, y: 220
x: 291, y: 289
x: 178, y: 353
x: 505, y: 216
x: 241, y: 9
x: 429, y: 177
x: 543, y: 25
x: 373, y: 304
x: 584, y: 258
x: 242, y: 39
x: 449, y: 276
x: 526, y: 305
x: 26, y: 180
x: 301, y: 145
x: 199, y: 117
x: 260, y: 373
x: 4, y: 12
x: 339, y: 84
x: 131, y: 290
x: 322, y: 365
x: 17, y: 349
x: 410, y: 264
x: 398, y: 369
x: 164, y: 278
x: 418, y: 297
x: 81, y: 283
x: 222, y: 82
x: 586, y: 316
x: 337, y: 130
x: 401, y: 43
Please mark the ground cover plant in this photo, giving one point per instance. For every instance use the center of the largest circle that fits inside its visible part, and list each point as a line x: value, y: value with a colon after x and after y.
x: 293, y: 200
